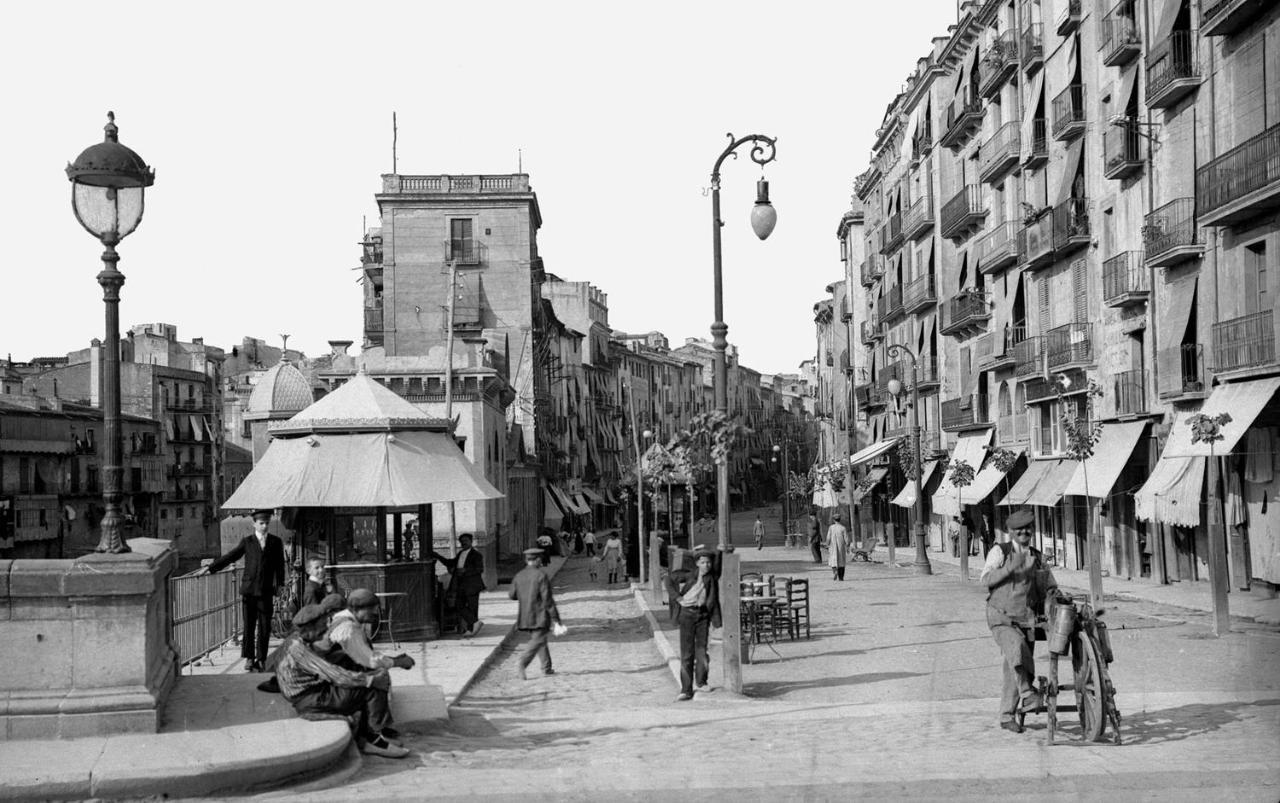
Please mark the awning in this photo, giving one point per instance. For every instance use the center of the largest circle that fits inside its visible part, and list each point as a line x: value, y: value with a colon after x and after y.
x: 1069, y: 170
x: 907, y: 496
x: 1243, y: 400
x: 972, y: 449
x: 1168, y: 17
x: 756, y: 461
x: 1172, y: 493
x: 1048, y: 492
x: 871, y: 452
x: 361, y: 469
x: 593, y: 497
x: 1029, y: 116
x: 1174, y: 307
x: 1036, y: 471
x: 562, y: 498
x: 983, y: 484
x: 1096, y: 476
x: 874, y: 477
x: 608, y: 494
x: 580, y: 505
x: 1128, y: 81
x: 552, y: 505
x: 30, y: 446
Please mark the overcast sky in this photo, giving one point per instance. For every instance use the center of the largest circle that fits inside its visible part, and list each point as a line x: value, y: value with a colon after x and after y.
x: 268, y: 125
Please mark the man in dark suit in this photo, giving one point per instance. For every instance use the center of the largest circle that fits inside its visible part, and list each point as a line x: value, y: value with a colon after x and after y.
x: 532, y: 589
x: 696, y: 595
x: 467, y: 583
x: 263, y: 578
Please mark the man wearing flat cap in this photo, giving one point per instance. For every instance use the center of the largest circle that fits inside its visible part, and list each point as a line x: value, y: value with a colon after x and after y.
x: 1018, y: 582
x: 346, y: 630
x: 263, y: 578
x: 532, y: 589
x: 696, y: 594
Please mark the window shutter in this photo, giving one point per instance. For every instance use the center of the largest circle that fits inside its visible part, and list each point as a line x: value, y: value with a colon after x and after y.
x: 1046, y: 321
x: 1080, y: 289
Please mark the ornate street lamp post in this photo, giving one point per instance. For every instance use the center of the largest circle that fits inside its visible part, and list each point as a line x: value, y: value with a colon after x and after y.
x: 108, y: 187
x: 895, y: 387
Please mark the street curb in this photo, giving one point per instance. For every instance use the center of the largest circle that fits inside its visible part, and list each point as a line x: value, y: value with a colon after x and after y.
x: 669, y: 653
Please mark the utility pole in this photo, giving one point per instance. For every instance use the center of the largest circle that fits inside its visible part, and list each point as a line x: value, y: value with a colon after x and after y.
x: 645, y: 574
x: 448, y: 391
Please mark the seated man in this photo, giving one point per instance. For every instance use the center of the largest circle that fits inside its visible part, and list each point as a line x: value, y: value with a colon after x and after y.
x: 346, y: 632
x: 315, y: 686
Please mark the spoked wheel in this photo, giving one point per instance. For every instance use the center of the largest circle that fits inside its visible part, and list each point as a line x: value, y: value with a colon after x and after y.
x: 1089, y: 689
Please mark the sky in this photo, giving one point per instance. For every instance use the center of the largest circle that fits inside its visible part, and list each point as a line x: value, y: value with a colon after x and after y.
x: 269, y: 125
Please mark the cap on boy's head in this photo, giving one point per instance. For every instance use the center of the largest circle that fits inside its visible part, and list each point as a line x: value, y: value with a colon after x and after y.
x: 836, y: 516
x: 333, y: 603
x: 264, y: 513
x: 309, y: 614
x: 1019, y: 519
x: 361, y: 598
x: 532, y: 553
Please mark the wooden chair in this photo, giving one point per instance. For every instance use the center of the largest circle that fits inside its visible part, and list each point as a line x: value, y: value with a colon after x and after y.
x: 798, y: 603
x: 782, y: 617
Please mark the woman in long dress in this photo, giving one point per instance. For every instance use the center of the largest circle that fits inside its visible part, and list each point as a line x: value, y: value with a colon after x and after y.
x: 613, y: 556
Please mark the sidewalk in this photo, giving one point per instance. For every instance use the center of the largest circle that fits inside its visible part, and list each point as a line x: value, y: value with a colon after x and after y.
x: 220, y: 735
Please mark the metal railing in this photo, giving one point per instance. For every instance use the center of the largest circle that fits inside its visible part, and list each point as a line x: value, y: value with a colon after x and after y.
x: 1246, y: 168
x: 961, y: 209
x: 964, y: 412
x: 1182, y: 369
x: 919, y: 218
x: 966, y: 307
x: 1028, y: 356
x: 998, y: 62
x: 892, y: 233
x: 1003, y: 146
x: 465, y: 252
x: 1070, y: 18
x: 919, y: 291
x: 1244, y: 342
x: 1068, y: 110
x: 1071, y: 223
x: 1035, y: 240
x: 1171, y: 60
x: 206, y: 612
x: 1121, y: 147
x: 1123, y: 275
x: 1120, y: 39
x: 1170, y: 226
x: 1032, y: 49
x: 1131, y: 392
x: 998, y: 246
x: 373, y: 319
x: 1039, y: 140
x: 1068, y: 344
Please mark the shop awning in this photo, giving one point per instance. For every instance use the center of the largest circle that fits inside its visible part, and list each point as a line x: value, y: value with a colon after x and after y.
x: 552, y: 506
x: 1243, y: 400
x: 983, y: 484
x: 1172, y: 493
x: 1096, y: 476
x: 1048, y: 492
x: 562, y: 498
x: 30, y: 446
x: 1021, y: 491
x: 972, y: 449
x: 580, y: 505
x: 871, y: 452
x: 593, y: 497
x: 874, y: 477
x: 907, y: 496
x: 608, y: 494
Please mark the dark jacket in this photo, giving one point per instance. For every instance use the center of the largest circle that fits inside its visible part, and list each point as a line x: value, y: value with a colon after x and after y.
x: 263, y: 569
x: 532, y: 589
x: 680, y: 581
x: 468, y: 578
x: 815, y: 530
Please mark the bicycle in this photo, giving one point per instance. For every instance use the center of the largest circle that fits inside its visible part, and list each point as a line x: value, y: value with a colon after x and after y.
x: 1073, y: 628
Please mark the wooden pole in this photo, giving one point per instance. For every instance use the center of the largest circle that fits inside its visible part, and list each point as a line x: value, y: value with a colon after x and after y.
x: 1217, y: 554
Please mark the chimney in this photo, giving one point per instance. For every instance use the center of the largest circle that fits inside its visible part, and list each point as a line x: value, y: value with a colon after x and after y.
x: 338, y: 348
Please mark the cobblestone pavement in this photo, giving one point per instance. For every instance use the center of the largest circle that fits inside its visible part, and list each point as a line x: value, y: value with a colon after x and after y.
x: 892, y: 697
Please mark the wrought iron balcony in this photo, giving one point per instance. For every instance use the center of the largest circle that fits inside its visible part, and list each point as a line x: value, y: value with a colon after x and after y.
x: 964, y: 213
x: 891, y: 234
x: 1242, y: 183
x: 919, y: 294
x: 999, y: 63
x: 1068, y: 113
x: 1225, y: 17
x: 1070, y: 226
x: 1001, y: 153
x: 1035, y: 241
x: 968, y: 412
x: 1038, y: 147
x: 1170, y: 234
x: 890, y: 304
x: 921, y: 145
x: 964, y: 116
x: 1032, y: 49
x: 1245, y: 342
x: 1121, y: 41
x: 1183, y: 369
x: 1172, y: 70
x: 919, y: 217
x: 1028, y: 356
x: 1003, y: 345
x: 1124, y: 280
x: 1131, y: 392
x: 1121, y: 148
x: 872, y: 331
x: 966, y: 313
x: 1069, y: 346
x: 862, y: 396
x: 465, y: 252
x: 373, y: 323
x: 1070, y: 18
x: 998, y: 248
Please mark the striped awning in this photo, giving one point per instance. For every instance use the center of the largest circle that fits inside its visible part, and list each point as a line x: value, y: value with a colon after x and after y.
x: 874, y: 477
x: 972, y: 449
x: 1172, y: 493
x: 1048, y: 492
x: 1243, y: 400
x: 983, y: 484
x: 34, y: 446
x: 907, y: 496
x: 1096, y: 476
x: 593, y: 497
x: 1021, y: 490
x: 872, y: 452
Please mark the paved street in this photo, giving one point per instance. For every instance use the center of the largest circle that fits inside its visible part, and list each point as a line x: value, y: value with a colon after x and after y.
x: 893, y: 696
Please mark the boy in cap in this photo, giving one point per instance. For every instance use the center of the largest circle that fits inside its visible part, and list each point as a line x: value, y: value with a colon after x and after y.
x: 696, y: 594
x: 262, y: 580
x: 532, y: 589
x: 467, y: 582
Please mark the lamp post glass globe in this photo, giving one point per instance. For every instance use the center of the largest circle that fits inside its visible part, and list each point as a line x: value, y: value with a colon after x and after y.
x: 763, y: 216
x: 648, y: 433
x: 894, y: 386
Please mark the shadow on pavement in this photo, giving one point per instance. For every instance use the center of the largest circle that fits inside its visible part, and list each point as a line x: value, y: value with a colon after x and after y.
x: 1183, y: 722
x: 779, y: 688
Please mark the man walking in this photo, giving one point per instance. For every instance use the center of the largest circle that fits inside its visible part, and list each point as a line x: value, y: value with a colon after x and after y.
x: 1018, y: 583
x: 815, y: 537
x: 838, y: 543
x: 757, y: 530
x: 263, y: 578
x: 532, y: 589
x: 467, y: 583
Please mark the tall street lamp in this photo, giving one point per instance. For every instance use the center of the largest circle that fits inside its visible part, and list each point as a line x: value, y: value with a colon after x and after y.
x: 108, y: 187
x: 895, y: 387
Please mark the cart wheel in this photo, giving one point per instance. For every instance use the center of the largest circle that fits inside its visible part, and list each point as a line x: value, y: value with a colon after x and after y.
x: 1088, y: 687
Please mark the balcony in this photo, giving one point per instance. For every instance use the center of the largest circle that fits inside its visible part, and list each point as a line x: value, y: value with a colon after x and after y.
x: 1037, y: 389
x: 1245, y: 342
x: 1131, y: 392
x: 891, y: 234
x: 1001, y: 153
x: 1069, y: 346
x: 1035, y: 241
x: 876, y: 396
x: 1170, y: 234
x: 1121, y: 148
x: 998, y: 248
x: 1070, y: 226
x: 1183, y: 367
x: 919, y: 294
x: 1069, y: 20
x: 1068, y: 113
x: 1172, y: 70
x: 890, y: 304
x: 373, y: 323
x: 1013, y: 428
x: 919, y: 217
x: 1038, y: 147
x: 872, y: 269
x: 1003, y: 345
x: 969, y: 412
x: 1242, y: 183
x: 964, y: 213
x: 1225, y: 17
x: 1028, y: 357
x: 467, y: 253
x: 1032, y: 49
x: 964, y: 116
x: 1124, y: 280
x: 999, y: 64
x: 871, y: 332
x: 921, y: 146
x: 966, y: 314
x: 862, y: 396
x: 1121, y: 41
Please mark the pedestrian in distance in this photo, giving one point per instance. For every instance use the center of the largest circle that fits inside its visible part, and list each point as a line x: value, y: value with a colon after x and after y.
x: 262, y: 580
x: 613, y: 556
x: 466, y: 582
x: 757, y: 530
x: 837, y: 546
x: 1018, y: 582
x: 545, y: 542
x: 538, y: 614
x: 696, y: 592
x: 589, y: 542
x: 593, y: 567
x: 815, y: 537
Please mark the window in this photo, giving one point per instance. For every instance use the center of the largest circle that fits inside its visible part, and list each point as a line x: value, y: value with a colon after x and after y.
x: 1255, y: 277
x: 461, y: 245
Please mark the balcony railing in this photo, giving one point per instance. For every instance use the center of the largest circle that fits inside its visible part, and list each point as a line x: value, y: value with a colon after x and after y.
x: 964, y: 115
x: 872, y: 269
x: 1032, y: 50
x: 1182, y: 371
x: 1028, y: 356
x: 891, y: 234
x: 966, y: 313
x: 919, y: 218
x: 1068, y: 113
x: 999, y: 62
x: 1035, y: 241
x: 1038, y: 147
x: 1225, y: 17
x: 1170, y: 234
x: 1124, y: 280
x: 891, y: 303
x: 1120, y: 40
x: 998, y: 248
x: 871, y: 332
x: 1069, y: 345
x: 465, y: 252
x: 965, y: 412
x: 1070, y: 225
x: 1244, y: 342
x: 1001, y: 152
x: 1131, y: 392
x: 921, y: 145
x: 1241, y: 183
x: 999, y: 353
x: 373, y: 319
x: 918, y: 293
x: 963, y: 213
x: 1121, y: 148
x: 1069, y: 21
x: 1172, y: 70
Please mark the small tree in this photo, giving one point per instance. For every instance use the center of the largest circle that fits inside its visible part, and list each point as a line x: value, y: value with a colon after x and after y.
x: 961, y: 477
x: 1206, y: 429
x: 1083, y: 434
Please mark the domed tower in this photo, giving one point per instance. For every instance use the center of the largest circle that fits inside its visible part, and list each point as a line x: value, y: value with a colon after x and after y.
x: 281, y: 393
